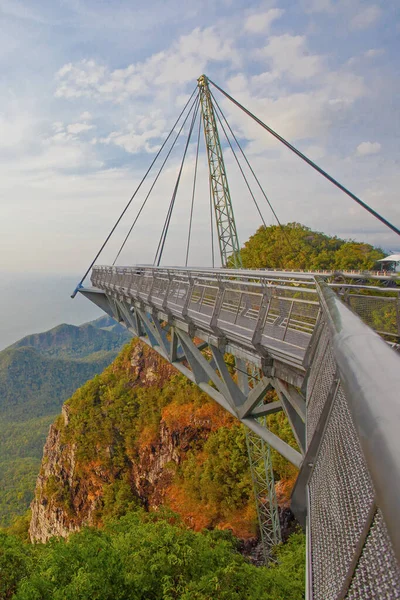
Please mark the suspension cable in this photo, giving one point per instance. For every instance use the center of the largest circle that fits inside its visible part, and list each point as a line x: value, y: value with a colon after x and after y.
x: 309, y: 161
x: 193, y: 194
x: 240, y: 166
x: 155, y: 181
x: 218, y: 108
x: 161, y: 244
x: 245, y: 158
x: 133, y: 196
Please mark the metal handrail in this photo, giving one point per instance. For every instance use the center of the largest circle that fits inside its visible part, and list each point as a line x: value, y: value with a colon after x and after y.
x: 267, y: 273
x: 370, y: 374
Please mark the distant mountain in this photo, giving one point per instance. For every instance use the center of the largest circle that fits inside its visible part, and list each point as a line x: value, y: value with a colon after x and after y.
x: 34, y: 385
x: 69, y: 341
x: 37, y: 374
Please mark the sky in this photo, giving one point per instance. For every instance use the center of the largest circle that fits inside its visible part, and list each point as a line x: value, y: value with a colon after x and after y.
x: 89, y: 89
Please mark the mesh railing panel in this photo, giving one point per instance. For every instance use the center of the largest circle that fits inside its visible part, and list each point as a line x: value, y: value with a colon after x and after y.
x: 377, y: 574
x: 382, y: 314
x: 322, y: 385
x: 349, y: 557
x: 341, y: 495
x: 316, y: 363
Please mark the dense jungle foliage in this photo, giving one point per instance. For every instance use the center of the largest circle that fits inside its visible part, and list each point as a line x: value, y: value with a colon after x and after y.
x: 146, y: 556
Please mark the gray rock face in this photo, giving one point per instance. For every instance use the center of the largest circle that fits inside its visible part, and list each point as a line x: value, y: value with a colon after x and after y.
x: 49, y: 518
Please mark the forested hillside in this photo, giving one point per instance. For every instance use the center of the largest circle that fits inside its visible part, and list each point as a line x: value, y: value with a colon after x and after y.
x: 37, y: 374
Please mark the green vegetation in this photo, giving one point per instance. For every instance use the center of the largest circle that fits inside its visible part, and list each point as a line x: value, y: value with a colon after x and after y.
x: 33, y: 385
x: 37, y: 374
x: 145, y: 556
x: 297, y: 247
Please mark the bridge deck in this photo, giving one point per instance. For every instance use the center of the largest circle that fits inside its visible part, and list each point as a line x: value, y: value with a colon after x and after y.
x: 276, y: 315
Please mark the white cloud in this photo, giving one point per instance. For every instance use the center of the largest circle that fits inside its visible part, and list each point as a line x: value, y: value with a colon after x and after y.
x: 367, y: 148
x: 131, y: 141
x: 296, y: 115
x: 288, y: 55
x: 58, y: 126
x: 261, y: 22
x: 85, y: 116
x: 343, y: 88
x: 79, y: 81
x: 315, y: 152
x: 15, y: 129
x: 76, y: 128
x: 374, y: 52
x: 140, y: 135
x: 367, y: 16
x: 185, y: 60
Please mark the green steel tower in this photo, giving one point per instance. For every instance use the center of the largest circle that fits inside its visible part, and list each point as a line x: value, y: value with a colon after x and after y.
x: 226, y: 226
x: 259, y: 452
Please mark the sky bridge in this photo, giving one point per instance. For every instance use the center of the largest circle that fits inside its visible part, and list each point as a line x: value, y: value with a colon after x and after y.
x: 324, y: 341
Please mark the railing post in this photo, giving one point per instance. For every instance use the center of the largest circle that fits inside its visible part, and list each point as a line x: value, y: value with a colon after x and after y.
x: 217, y: 307
x: 188, y: 296
x: 264, y: 308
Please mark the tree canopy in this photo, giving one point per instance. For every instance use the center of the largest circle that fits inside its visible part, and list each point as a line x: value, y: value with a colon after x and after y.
x: 144, y: 556
x: 294, y: 246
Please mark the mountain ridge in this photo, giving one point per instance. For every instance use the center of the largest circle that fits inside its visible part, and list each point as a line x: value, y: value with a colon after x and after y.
x: 76, y: 341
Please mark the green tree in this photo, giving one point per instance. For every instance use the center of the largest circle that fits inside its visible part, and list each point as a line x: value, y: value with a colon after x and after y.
x: 148, y: 556
x: 294, y: 246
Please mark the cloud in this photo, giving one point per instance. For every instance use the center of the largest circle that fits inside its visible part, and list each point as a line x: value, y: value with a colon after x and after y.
x: 76, y: 128
x: 81, y: 80
x: 367, y: 148
x: 366, y: 17
x: 139, y: 135
x: 261, y: 22
x: 185, y: 60
x: 374, y: 52
x: 86, y: 116
x: 131, y: 141
x: 17, y: 128
x: 288, y: 55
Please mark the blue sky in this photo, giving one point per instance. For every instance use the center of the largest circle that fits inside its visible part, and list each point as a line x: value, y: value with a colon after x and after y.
x: 88, y: 90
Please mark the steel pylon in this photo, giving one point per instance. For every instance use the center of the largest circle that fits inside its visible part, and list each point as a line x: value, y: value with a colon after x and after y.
x: 259, y: 451
x: 226, y: 227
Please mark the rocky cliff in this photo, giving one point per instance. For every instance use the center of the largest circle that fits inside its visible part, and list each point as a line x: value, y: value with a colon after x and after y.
x: 142, y: 434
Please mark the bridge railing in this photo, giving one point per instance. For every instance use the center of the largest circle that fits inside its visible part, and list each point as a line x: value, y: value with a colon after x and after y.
x: 379, y: 307
x: 246, y: 308
x: 348, y: 488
